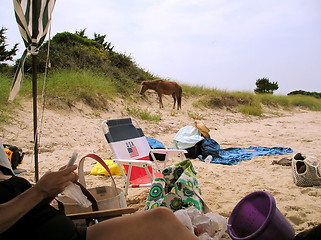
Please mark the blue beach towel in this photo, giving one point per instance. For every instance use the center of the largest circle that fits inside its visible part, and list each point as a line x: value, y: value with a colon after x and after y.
x: 154, y: 144
x: 231, y: 156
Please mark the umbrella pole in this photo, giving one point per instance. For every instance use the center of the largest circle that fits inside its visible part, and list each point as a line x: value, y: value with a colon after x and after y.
x: 34, y: 85
x: 35, y: 127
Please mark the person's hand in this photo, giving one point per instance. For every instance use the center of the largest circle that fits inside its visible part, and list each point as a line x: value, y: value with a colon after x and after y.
x: 75, y: 174
x: 53, y: 183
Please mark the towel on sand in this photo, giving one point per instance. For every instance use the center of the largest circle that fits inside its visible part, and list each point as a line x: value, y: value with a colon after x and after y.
x: 231, y: 156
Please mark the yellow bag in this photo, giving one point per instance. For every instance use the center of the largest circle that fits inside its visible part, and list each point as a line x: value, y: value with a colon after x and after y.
x: 14, y: 154
x: 98, y: 169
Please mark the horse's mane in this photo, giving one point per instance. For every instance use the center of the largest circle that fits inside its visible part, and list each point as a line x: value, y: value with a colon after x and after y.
x: 152, y: 81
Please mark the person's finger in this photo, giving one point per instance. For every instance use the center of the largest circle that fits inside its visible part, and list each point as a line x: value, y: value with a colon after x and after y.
x: 65, y: 175
x: 68, y: 170
x: 62, y: 168
x: 70, y: 177
x: 75, y: 177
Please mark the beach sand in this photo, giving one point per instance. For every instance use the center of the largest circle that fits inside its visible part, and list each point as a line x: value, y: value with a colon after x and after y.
x: 78, y: 129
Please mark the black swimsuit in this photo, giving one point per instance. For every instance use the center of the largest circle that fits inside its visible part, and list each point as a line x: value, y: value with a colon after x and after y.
x: 42, y: 222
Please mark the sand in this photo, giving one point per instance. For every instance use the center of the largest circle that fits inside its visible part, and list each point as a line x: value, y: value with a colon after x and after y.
x: 78, y: 129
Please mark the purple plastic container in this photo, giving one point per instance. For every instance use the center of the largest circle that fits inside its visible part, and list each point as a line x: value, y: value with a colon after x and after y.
x: 257, y: 217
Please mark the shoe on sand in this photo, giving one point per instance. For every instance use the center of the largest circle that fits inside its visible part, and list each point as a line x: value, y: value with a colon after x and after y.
x: 283, y: 162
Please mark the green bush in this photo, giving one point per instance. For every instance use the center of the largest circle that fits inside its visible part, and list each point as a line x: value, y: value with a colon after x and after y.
x: 70, y: 39
x: 73, y: 52
x: 302, y: 92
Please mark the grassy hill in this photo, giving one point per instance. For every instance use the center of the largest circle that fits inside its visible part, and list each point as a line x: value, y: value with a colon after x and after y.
x: 89, y: 70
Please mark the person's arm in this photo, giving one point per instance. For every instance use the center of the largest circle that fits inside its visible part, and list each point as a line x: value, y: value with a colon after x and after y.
x: 49, y: 185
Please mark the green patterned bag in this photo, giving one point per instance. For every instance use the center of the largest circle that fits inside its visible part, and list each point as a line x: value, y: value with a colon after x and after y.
x: 177, y: 190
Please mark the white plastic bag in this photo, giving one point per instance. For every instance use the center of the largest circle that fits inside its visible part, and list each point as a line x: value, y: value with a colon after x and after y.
x: 216, y: 222
x: 182, y: 215
x: 74, y: 192
x: 187, y: 137
x: 209, y: 226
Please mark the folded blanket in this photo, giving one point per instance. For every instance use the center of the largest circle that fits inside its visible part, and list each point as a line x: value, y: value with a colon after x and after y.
x: 231, y: 156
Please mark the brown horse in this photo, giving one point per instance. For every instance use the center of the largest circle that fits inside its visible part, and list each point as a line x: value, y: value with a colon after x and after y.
x: 164, y: 87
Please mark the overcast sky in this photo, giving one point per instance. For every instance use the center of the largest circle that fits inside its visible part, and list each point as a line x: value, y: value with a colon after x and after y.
x: 223, y: 44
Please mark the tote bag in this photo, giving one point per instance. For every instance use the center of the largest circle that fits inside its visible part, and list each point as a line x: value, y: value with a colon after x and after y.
x: 102, y: 198
x: 178, y: 189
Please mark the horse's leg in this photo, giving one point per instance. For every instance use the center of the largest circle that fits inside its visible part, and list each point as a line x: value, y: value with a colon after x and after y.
x: 174, y: 97
x: 178, y: 100
x: 160, y: 100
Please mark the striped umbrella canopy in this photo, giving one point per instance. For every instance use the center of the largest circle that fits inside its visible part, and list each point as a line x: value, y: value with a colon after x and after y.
x: 33, y: 18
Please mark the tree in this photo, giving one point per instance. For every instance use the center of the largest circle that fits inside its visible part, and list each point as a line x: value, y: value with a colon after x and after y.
x: 98, y: 38
x: 6, y: 55
x: 101, y: 40
x: 263, y: 85
x: 81, y: 33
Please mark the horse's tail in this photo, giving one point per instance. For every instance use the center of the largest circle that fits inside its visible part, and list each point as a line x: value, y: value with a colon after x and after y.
x: 179, y: 98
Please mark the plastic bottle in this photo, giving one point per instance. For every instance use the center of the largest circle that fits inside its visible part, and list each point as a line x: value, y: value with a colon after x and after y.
x: 208, y: 159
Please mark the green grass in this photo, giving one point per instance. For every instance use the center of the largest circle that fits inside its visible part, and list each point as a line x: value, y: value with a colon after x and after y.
x: 289, y: 102
x: 196, y: 115
x: 70, y: 87
x: 308, y: 102
x: 220, y: 99
x: 274, y: 100
x: 250, y: 110
x: 197, y: 90
x: 144, y: 114
x: 251, y: 103
x: 6, y: 108
x: 64, y: 88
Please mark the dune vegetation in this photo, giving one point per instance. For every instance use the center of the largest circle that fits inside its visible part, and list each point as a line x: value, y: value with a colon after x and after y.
x: 89, y: 70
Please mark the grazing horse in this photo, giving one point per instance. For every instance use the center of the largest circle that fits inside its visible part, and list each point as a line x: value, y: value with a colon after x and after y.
x: 164, y: 87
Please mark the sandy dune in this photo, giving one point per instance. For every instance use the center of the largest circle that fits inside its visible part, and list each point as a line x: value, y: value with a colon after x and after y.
x: 78, y: 129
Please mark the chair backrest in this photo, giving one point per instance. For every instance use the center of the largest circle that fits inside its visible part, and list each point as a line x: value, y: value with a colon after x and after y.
x: 121, y: 129
x: 127, y: 142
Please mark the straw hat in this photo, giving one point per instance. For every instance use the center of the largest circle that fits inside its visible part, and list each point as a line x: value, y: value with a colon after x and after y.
x: 202, y: 128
